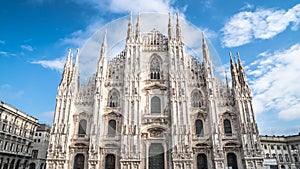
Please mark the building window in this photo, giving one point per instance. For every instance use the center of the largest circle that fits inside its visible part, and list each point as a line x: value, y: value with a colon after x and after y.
x: 199, y: 127
x: 280, y: 158
x: 155, y: 105
x: 82, y: 128
x: 196, y: 99
x: 274, y: 155
x: 40, y: 134
x: 113, y: 99
x: 156, y: 156
x: 110, y: 161
x: 272, y: 147
x: 266, y: 147
x: 267, y: 155
x: 284, y: 147
x: 3, y: 127
x: 227, y: 127
x: 295, y: 158
x: 155, y: 68
x: 202, y: 161
x: 293, y: 147
x: 278, y: 147
x: 79, y: 161
x: 111, y: 128
x: 287, y: 159
x: 35, y: 154
x: 231, y: 161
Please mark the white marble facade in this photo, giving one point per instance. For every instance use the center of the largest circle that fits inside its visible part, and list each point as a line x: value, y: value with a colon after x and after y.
x: 154, y: 106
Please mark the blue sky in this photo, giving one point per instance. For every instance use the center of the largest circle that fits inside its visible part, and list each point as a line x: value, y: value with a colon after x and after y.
x: 37, y: 34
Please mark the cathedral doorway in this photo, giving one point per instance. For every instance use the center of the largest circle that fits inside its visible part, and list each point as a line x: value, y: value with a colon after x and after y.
x: 79, y: 161
x: 231, y: 161
x: 110, y: 161
x: 156, y: 156
x: 201, y: 161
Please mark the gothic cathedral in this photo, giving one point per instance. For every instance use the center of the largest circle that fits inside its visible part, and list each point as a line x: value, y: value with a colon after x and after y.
x: 154, y: 106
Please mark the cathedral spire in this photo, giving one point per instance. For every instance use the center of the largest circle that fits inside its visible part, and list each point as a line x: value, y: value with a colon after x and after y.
x: 138, y: 35
x: 104, y: 46
x: 102, y: 57
x: 205, y: 49
x: 67, y: 68
x: 241, y: 74
x: 76, y: 65
x: 129, y: 30
x: 75, y: 77
x: 227, y: 83
x: 233, y: 70
x: 178, y: 29
x: 170, y: 28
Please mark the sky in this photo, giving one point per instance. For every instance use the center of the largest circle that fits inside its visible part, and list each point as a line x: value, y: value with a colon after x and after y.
x: 37, y: 34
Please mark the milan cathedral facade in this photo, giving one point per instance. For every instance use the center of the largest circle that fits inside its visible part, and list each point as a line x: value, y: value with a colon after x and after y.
x: 154, y: 106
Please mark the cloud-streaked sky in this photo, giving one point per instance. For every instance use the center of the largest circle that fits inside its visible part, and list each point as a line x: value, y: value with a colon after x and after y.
x: 34, y: 42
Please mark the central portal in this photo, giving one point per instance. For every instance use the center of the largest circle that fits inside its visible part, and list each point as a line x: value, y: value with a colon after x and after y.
x: 156, y: 156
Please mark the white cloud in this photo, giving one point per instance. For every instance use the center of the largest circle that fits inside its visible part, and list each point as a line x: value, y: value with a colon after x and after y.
x: 125, y: 6
x: 4, y: 53
x: 27, y: 47
x: 244, y: 27
x: 56, y: 64
x: 274, y: 78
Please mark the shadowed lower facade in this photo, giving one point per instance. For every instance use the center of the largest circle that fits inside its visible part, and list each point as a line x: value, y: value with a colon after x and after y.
x: 154, y: 106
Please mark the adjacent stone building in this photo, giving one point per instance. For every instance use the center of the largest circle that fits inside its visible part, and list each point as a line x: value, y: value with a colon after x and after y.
x: 40, y: 146
x: 154, y: 106
x: 16, y: 137
x: 284, y: 150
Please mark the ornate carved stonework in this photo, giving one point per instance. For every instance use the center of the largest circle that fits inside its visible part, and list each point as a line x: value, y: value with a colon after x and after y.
x: 153, y: 102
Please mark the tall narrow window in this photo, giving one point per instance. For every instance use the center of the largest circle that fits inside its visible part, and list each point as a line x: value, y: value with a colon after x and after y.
x: 155, y: 105
x: 111, y: 128
x: 201, y: 161
x: 79, y: 161
x: 110, y: 161
x: 196, y: 99
x: 82, y: 128
x: 231, y: 161
x: 113, y: 99
x: 156, y: 156
x: 295, y: 158
x: 199, y: 128
x: 154, y: 68
x: 227, y: 127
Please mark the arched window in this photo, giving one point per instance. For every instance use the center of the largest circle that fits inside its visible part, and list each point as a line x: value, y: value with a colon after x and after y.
x: 111, y: 128
x: 199, y: 127
x: 231, y: 161
x: 201, y: 161
x: 196, y: 99
x: 282, y: 167
x: 32, y: 166
x: 113, y: 99
x: 82, y: 128
x: 79, y: 161
x: 280, y: 158
x: 155, y: 68
x: 296, y: 158
x: 110, y: 161
x: 227, y: 127
x: 287, y: 159
x: 156, y: 156
x: 155, y: 105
